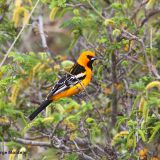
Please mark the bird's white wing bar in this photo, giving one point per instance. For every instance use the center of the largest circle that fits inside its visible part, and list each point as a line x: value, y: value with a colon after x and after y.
x: 67, y: 82
x: 80, y: 75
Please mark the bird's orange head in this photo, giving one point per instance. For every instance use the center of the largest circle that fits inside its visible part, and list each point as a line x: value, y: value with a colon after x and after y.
x: 86, y: 59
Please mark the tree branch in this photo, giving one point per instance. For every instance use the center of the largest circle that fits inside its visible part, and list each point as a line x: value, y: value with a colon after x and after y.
x: 114, y: 78
x: 138, y: 8
x: 150, y: 14
x: 42, y: 34
x: 33, y: 143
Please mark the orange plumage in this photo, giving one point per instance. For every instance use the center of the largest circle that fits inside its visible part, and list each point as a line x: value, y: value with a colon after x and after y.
x: 72, y: 83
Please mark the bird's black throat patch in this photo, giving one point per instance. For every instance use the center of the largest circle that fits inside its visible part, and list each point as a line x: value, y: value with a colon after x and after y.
x: 90, y: 63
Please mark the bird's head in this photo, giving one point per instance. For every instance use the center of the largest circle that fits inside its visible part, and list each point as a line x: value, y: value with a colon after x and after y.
x: 86, y: 59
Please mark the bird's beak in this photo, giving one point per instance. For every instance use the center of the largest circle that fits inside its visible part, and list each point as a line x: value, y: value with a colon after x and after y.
x: 93, y: 58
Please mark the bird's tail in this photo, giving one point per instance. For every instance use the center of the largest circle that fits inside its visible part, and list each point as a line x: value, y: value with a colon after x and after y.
x: 44, y: 104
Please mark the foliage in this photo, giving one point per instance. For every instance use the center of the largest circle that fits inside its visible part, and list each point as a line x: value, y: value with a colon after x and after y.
x: 118, y: 117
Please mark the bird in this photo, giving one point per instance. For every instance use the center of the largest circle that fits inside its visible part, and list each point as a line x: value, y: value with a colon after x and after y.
x: 73, y: 82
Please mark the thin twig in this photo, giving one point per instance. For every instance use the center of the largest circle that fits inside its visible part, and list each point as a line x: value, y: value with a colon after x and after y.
x: 114, y: 78
x: 76, y: 5
x: 150, y: 14
x: 33, y: 143
x: 114, y: 90
x: 80, y: 153
x: 138, y: 8
x: 95, y: 10
x: 36, y: 137
x: 131, y: 36
x: 19, y: 34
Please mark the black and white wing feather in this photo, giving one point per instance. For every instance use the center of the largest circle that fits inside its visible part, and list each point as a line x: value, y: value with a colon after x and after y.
x: 76, y: 75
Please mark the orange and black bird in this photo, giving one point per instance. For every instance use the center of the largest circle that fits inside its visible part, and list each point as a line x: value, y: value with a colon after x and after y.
x: 71, y: 83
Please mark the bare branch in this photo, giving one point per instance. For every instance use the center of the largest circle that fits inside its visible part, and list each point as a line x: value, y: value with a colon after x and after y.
x: 33, y: 143
x: 138, y: 8
x: 95, y: 10
x: 42, y: 34
x: 149, y: 15
x: 114, y: 77
x: 130, y: 36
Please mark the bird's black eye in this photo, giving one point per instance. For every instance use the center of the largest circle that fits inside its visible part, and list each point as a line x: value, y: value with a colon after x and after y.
x: 89, y: 57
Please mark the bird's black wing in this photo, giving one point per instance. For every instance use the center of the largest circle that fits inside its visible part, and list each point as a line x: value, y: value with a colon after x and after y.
x: 77, y: 73
x: 77, y: 69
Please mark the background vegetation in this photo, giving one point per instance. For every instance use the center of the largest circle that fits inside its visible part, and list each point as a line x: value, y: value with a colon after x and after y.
x: 117, y: 117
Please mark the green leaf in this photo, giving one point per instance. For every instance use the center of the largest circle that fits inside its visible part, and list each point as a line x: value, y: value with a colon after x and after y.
x: 13, y: 144
x: 117, y: 6
x: 121, y: 120
x: 132, y: 123
x: 61, y: 3
x: 73, y: 118
x: 71, y: 156
x: 138, y: 86
x: 142, y: 134
x: 57, y: 117
x: 156, y: 129
x: 34, y: 123
x: 90, y: 120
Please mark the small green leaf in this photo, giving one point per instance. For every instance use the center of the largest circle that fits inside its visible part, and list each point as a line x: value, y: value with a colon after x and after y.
x: 116, y: 6
x: 156, y: 129
x: 142, y: 134
x: 90, y: 120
